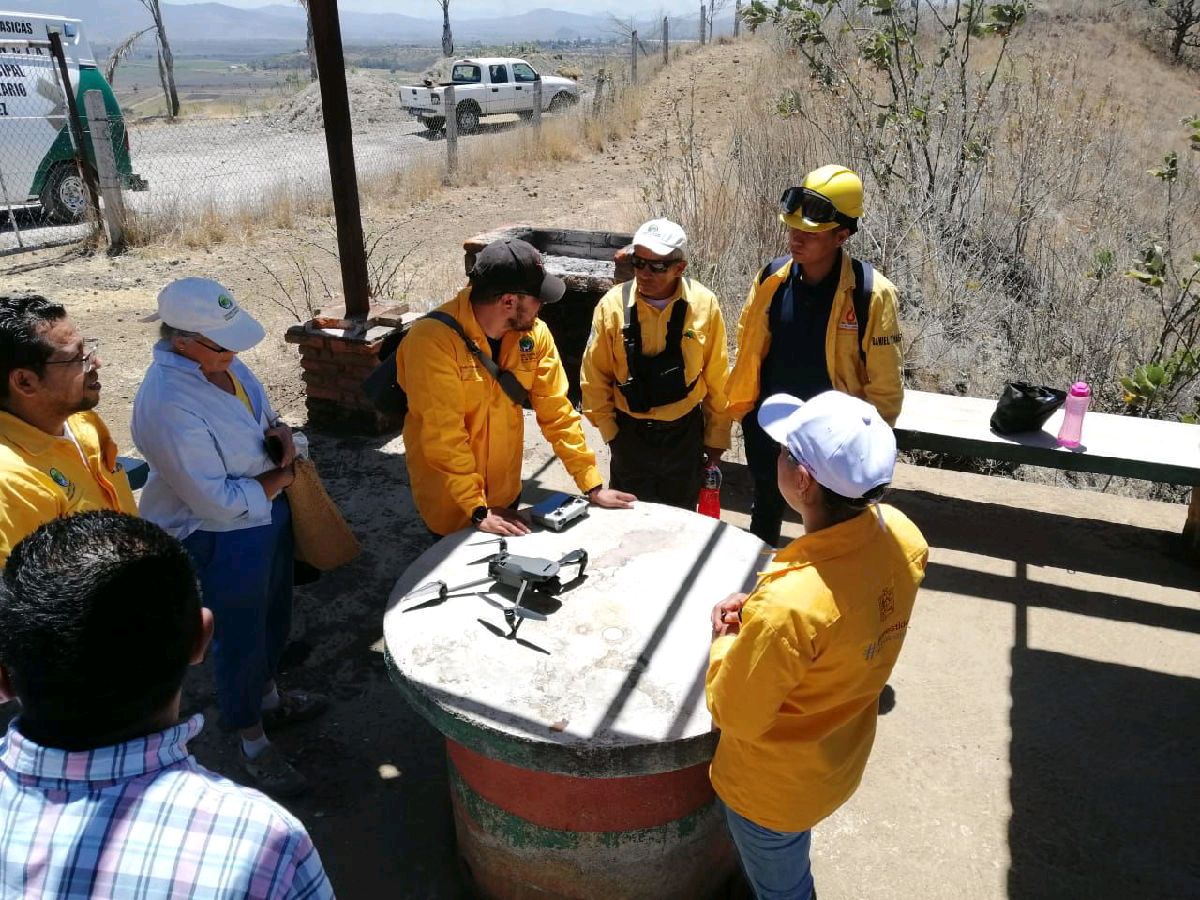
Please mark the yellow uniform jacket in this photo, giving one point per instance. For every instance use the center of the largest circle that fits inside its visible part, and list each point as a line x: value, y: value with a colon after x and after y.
x: 463, y: 436
x: 879, y: 381
x: 796, y: 692
x: 705, y: 358
x: 43, y: 477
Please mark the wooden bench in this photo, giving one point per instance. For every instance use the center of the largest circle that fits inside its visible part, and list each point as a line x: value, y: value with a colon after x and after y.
x: 1112, y: 445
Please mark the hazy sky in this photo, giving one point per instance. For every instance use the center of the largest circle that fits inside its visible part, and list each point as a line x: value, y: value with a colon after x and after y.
x: 428, y: 9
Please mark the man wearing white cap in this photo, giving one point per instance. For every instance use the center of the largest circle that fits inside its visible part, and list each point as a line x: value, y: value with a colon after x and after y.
x: 796, y: 668
x: 653, y: 375
x: 206, y: 427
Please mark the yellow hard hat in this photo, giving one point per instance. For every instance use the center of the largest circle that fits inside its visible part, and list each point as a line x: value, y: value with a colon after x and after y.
x: 830, y: 197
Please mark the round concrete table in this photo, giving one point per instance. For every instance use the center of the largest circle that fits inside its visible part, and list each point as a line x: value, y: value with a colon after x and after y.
x: 578, y: 750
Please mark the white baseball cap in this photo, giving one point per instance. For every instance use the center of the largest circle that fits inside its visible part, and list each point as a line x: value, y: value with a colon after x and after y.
x: 840, y: 439
x: 208, y: 308
x: 661, y: 236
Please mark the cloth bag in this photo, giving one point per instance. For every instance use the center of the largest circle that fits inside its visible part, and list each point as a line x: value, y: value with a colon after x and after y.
x: 1025, y: 407
x: 323, y: 539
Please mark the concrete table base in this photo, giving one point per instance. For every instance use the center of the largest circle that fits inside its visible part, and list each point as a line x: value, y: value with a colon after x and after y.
x: 578, y: 751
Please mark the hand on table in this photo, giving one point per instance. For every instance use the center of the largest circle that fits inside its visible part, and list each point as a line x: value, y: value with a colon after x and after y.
x: 609, y: 498
x: 504, y: 522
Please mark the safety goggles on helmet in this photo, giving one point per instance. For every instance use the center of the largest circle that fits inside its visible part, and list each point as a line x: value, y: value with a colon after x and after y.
x: 817, y: 208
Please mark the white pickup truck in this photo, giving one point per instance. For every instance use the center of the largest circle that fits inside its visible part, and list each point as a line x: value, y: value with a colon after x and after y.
x: 486, y: 86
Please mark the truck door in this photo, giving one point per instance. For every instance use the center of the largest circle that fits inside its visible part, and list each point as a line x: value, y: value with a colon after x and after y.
x: 500, y: 95
x: 524, y: 77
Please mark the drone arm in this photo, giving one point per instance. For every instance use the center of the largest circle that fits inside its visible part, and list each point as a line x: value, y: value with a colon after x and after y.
x: 576, y: 557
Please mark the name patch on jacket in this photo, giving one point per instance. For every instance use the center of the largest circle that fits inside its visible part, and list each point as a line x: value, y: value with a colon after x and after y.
x: 885, y: 340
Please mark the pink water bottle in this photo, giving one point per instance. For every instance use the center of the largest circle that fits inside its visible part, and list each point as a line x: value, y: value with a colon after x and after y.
x: 710, y: 492
x: 1072, y: 425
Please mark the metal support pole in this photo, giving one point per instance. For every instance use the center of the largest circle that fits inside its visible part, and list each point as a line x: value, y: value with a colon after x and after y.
x: 537, y: 105
x: 633, y: 57
x: 339, y: 142
x: 451, y: 131
x: 666, y: 41
x: 85, y: 171
x: 101, y: 129
x: 703, y: 22
x: 737, y: 18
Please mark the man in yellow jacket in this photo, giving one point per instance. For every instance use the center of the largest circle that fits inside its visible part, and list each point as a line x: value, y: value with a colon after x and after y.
x: 814, y: 320
x: 796, y: 668
x: 463, y: 434
x: 56, y: 455
x: 653, y: 374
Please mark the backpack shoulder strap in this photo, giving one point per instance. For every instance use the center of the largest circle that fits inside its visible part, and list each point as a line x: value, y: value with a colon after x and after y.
x: 773, y: 267
x: 626, y: 300
x: 508, y: 382
x: 864, y: 286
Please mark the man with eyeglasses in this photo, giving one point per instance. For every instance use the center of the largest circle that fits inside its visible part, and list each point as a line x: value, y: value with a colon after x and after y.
x: 57, y: 457
x: 464, y: 432
x: 654, y: 372
x: 813, y: 321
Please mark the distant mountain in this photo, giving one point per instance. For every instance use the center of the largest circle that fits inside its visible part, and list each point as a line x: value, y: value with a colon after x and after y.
x: 109, y: 21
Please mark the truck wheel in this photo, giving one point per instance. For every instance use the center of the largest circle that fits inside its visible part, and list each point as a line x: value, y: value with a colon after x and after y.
x: 64, y: 196
x: 467, y: 115
x: 562, y: 102
x: 434, y: 123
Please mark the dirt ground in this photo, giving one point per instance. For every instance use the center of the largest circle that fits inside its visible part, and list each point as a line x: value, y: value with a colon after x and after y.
x: 1043, y: 741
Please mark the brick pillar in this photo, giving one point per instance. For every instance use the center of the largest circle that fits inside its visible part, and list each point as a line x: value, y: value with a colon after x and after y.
x: 336, y: 356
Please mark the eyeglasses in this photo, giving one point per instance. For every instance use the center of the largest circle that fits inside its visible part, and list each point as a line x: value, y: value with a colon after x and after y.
x: 792, y: 457
x: 658, y: 266
x: 88, y: 357
x: 813, y: 206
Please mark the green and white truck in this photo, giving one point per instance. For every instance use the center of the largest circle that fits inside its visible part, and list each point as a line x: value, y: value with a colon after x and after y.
x: 37, y: 156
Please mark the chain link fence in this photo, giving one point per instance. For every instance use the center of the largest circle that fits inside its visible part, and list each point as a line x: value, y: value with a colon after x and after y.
x: 261, y: 168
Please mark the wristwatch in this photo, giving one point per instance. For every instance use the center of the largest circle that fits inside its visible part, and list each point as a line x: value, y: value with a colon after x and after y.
x: 478, y: 514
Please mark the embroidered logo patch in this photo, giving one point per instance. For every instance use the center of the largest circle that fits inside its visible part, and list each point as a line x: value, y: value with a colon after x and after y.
x: 887, y: 604
x: 849, y: 322
x: 225, y: 302
x: 526, y: 344
x: 60, y: 479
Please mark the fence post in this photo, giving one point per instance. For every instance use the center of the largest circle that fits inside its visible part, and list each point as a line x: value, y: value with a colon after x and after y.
x: 101, y: 129
x: 451, y: 131
x: 737, y: 18
x: 666, y: 41
x: 703, y: 22
x: 598, y: 97
x: 537, y: 104
x: 633, y: 57
x: 85, y: 171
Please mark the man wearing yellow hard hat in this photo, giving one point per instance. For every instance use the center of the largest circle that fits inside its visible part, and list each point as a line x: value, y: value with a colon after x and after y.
x: 814, y: 320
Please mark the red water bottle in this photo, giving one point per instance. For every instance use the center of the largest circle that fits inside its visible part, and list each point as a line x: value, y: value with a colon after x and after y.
x: 710, y: 492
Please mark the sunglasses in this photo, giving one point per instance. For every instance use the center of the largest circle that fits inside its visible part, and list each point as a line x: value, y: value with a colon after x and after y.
x: 88, y: 357
x: 657, y: 266
x: 813, y: 206
x: 209, y: 345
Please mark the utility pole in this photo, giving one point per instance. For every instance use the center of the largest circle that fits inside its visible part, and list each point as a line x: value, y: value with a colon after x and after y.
x: 633, y: 57
x: 339, y: 142
x: 703, y: 22
x: 737, y: 18
x: 666, y: 41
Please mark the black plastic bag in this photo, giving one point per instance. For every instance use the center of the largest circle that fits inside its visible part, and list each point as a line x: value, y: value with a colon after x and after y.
x: 1025, y: 407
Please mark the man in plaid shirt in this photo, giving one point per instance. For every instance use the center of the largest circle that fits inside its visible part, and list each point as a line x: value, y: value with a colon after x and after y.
x: 100, y: 616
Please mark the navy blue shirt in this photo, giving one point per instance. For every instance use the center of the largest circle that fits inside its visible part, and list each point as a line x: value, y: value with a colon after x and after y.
x: 799, y: 318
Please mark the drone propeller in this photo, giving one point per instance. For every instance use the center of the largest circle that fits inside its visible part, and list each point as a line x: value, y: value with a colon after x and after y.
x: 522, y: 612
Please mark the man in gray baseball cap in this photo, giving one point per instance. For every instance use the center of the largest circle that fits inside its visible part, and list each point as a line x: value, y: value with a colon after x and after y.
x: 464, y: 431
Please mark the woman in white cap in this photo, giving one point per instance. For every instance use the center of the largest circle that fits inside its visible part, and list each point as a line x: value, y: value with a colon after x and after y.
x: 219, y: 460
x: 797, y: 667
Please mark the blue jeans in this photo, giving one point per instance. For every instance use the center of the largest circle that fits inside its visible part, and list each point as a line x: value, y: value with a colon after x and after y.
x: 246, y: 578
x: 775, y: 862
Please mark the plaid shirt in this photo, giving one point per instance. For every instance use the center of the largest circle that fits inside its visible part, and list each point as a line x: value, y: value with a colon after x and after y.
x: 143, y: 819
